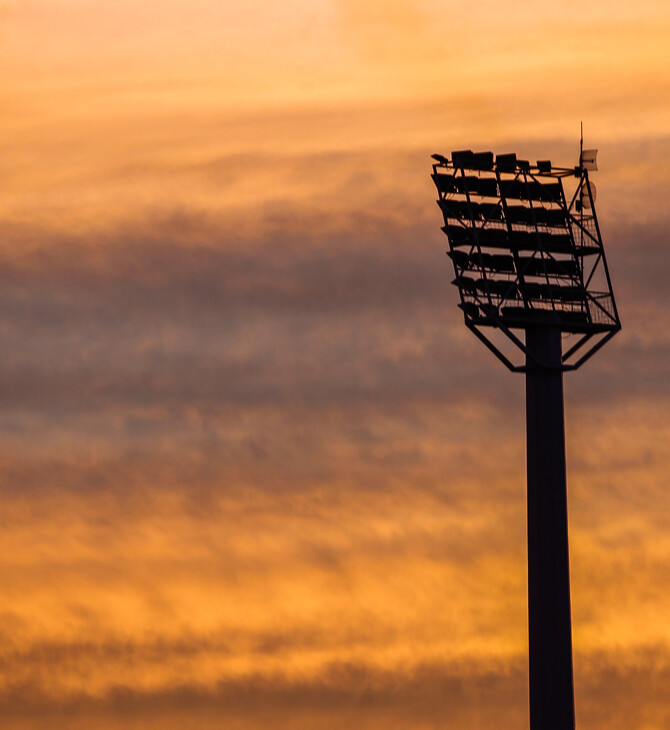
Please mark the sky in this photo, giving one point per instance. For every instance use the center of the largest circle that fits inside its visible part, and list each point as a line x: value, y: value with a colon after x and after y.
x: 255, y: 471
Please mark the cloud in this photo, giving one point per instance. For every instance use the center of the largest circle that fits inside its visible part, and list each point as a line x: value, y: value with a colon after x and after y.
x: 150, y: 316
x: 345, y: 693
x: 608, y: 692
x: 254, y: 467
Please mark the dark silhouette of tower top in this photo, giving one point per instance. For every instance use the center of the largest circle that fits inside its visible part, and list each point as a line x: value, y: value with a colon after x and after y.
x: 526, y: 248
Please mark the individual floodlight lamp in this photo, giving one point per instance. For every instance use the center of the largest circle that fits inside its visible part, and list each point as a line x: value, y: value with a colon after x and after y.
x: 534, y: 287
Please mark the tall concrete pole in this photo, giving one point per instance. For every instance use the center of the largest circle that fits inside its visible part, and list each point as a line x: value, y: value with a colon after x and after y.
x: 549, y: 619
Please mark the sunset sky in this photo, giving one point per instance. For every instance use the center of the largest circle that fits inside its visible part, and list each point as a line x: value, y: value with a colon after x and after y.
x: 255, y: 471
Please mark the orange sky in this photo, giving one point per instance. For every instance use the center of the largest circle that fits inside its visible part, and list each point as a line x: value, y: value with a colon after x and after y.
x: 256, y: 473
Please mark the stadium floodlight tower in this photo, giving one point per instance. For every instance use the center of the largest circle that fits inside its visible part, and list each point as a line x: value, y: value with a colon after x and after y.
x: 531, y: 272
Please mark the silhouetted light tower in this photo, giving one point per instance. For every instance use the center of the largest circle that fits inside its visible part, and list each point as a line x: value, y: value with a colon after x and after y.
x: 531, y: 272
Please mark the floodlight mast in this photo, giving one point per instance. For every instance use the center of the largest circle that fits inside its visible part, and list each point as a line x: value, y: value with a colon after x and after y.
x: 538, y: 258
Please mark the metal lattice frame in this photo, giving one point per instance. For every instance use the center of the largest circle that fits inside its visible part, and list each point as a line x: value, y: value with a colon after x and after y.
x: 525, y: 253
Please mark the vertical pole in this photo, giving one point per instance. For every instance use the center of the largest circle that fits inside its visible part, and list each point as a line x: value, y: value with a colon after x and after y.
x: 549, y: 622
